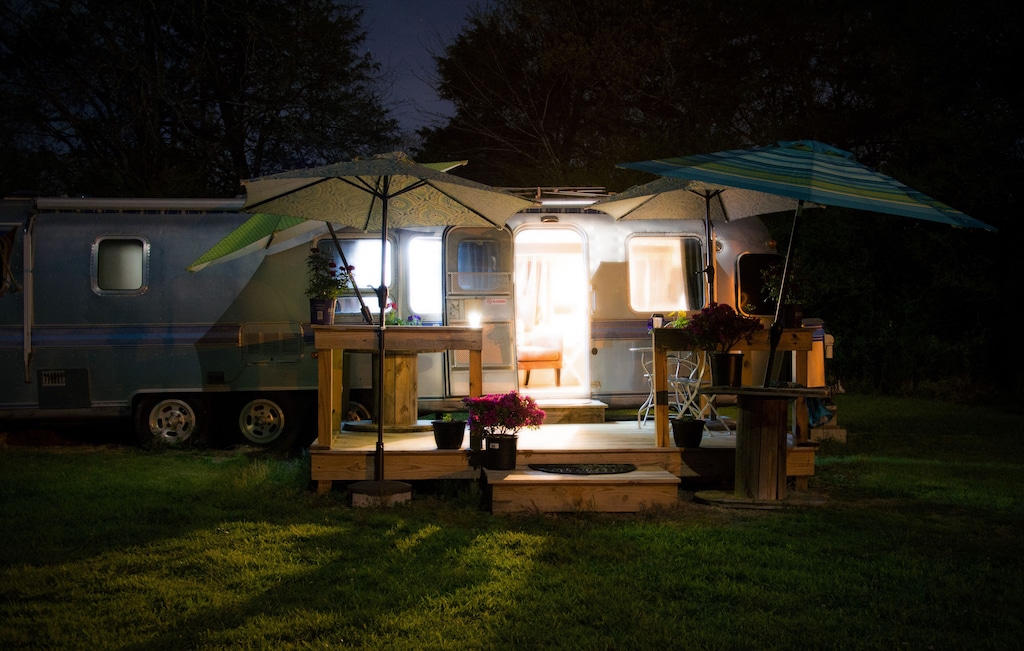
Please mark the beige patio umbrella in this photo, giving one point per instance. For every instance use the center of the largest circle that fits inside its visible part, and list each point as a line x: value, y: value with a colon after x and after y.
x: 673, y: 198
x: 373, y: 195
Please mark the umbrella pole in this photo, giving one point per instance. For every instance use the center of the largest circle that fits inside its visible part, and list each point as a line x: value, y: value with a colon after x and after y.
x: 775, y: 333
x: 365, y: 311
x: 709, y: 267
x: 382, y: 299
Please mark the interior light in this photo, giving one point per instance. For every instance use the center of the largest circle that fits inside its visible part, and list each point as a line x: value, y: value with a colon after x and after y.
x: 567, y: 202
x: 475, y: 319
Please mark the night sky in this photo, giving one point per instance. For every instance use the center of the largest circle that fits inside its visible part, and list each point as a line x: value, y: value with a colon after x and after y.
x: 401, y: 34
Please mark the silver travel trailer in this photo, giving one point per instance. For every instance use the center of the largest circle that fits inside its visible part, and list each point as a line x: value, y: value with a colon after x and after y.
x: 99, y: 316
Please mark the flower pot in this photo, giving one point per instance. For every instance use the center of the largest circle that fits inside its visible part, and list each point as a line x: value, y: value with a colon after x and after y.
x: 501, y: 452
x: 727, y: 369
x: 792, y: 315
x: 448, y: 434
x: 321, y: 311
x: 476, y: 438
x: 687, y: 432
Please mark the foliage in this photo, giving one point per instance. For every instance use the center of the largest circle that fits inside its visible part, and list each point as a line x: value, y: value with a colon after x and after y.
x: 718, y: 327
x: 393, y: 318
x: 182, y: 98
x: 919, y: 95
x: 503, y: 414
x: 772, y: 278
x: 326, y: 279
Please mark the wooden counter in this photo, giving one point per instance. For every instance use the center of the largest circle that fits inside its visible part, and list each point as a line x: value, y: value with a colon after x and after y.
x: 664, y: 340
x: 405, y: 342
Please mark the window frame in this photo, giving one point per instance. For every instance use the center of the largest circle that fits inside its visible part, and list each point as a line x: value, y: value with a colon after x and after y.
x: 698, y: 264
x: 95, y: 261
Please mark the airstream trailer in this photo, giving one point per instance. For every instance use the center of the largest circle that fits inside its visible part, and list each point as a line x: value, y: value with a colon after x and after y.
x: 100, y: 317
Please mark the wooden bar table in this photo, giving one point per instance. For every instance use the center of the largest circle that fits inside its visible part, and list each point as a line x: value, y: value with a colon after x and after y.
x: 402, y: 345
x: 664, y: 340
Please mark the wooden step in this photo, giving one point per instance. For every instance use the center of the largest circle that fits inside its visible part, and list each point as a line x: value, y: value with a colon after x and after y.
x: 519, y: 490
x: 572, y: 410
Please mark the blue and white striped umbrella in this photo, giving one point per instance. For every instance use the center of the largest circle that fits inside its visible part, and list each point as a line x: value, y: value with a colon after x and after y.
x: 810, y: 171
x: 807, y: 171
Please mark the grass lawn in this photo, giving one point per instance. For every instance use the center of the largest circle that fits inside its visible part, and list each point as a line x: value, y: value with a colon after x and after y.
x: 918, y: 547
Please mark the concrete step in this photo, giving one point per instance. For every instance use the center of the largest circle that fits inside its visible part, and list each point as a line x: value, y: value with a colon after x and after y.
x: 520, y: 490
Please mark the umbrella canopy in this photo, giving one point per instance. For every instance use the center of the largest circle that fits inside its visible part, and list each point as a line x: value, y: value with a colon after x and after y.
x: 373, y: 195
x: 262, y: 230
x: 807, y: 170
x: 810, y: 171
x: 676, y: 198
x: 258, y: 232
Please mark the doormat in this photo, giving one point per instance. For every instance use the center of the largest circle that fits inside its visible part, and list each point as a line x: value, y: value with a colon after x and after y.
x: 584, y: 468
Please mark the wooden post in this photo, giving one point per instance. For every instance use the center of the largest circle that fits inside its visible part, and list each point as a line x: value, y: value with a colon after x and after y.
x: 761, y: 447
x: 476, y: 373
x: 325, y: 397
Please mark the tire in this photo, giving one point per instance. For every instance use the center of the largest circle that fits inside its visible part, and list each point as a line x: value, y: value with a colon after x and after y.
x: 357, y: 412
x: 269, y: 421
x: 169, y: 421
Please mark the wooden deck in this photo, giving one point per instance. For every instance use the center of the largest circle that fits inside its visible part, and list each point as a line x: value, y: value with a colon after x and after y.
x: 413, y: 456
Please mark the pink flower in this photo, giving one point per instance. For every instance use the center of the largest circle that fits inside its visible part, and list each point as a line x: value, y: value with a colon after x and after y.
x: 503, y: 414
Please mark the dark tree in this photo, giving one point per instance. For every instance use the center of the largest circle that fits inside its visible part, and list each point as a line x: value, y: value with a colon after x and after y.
x: 182, y: 98
x: 551, y: 92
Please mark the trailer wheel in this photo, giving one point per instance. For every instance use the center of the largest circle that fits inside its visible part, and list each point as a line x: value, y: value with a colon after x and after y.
x: 356, y: 412
x: 167, y: 422
x: 268, y: 422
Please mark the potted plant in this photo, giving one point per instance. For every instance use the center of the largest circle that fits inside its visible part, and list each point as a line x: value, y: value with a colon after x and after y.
x: 393, y: 318
x: 449, y: 432
x: 498, y: 418
x: 326, y: 282
x: 792, y: 312
x: 717, y: 329
x: 687, y: 431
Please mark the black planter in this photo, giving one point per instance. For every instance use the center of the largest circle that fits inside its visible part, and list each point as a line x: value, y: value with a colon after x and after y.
x: 501, y: 452
x: 321, y: 311
x: 727, y: 369
x: 687, y: 433
x: 792, y: 315
x: 448, y: 434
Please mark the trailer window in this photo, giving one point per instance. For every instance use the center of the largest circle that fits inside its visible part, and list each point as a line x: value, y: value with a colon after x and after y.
x: 665, y: 273
x: 751, y: 295
x: 425, y: 277
x: 363, y: 254
x: 120, y: 265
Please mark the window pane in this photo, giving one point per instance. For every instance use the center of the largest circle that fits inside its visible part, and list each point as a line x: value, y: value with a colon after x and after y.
x: 478, y: 265
x: 119, y: 264
x: 426, y: 281
x: 364, y: 256
x: 665, y: 274
x: 752, y: 297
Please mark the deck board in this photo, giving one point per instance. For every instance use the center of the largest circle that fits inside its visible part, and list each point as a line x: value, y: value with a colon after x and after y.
x: 414, y: 456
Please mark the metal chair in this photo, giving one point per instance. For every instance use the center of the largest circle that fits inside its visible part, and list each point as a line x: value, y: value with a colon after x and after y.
x: 686, y: 382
